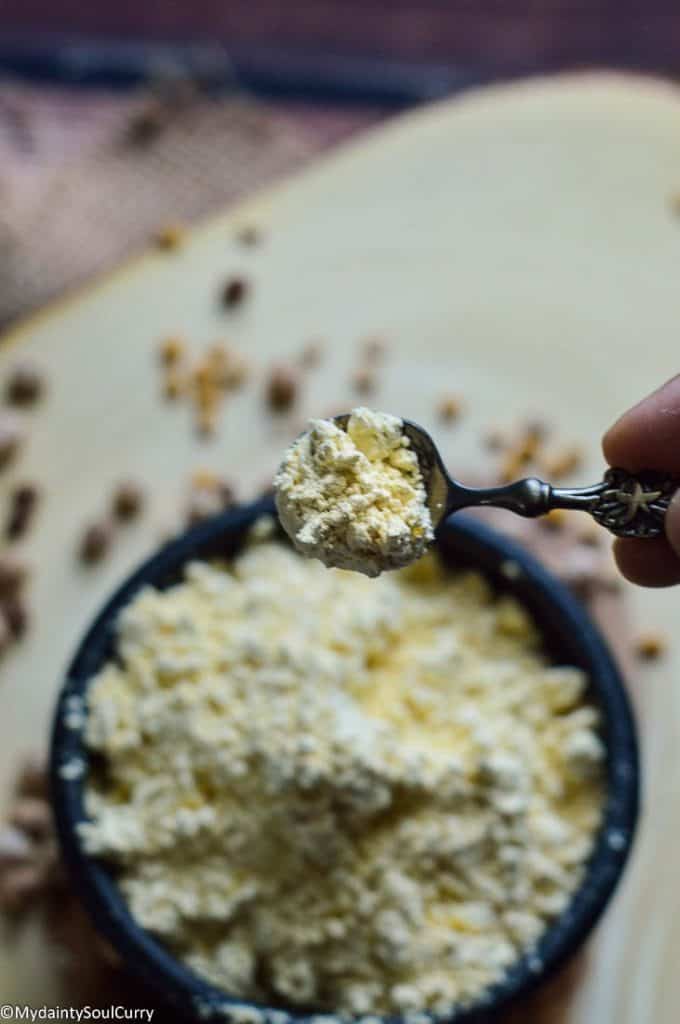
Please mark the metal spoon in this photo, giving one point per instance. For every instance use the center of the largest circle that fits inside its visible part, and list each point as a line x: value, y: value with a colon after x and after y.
x: 625, y: 504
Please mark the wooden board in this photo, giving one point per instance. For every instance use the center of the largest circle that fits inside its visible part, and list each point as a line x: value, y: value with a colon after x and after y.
x: 516, y: 245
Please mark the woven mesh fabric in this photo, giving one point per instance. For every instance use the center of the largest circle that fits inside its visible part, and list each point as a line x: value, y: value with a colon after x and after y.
x: 86, y: 179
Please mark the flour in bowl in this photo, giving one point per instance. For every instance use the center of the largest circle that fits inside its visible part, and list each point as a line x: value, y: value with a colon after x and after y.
x: 363, y: 796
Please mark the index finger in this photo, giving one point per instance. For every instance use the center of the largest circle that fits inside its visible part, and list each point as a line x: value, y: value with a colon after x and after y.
x: 648, y: 435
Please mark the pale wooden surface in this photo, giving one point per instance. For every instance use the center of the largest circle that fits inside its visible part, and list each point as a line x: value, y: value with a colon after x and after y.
x: 516, y: 245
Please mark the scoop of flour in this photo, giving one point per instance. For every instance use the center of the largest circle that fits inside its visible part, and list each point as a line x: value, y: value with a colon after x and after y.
x: 355, y: 498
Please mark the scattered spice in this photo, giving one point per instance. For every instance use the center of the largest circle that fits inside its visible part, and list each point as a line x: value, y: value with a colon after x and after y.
x: 172, y: 351
x: 449, y: 408
x: 95, y: 542
x: 128, y: 500
x: 363, y: 381
x: 23, y: 503
x: 11, y: 437
x: 234, y: 292
x: 282, y: 388
x: 25, y: 384
x: 650, y: 645
x: 170, y: 237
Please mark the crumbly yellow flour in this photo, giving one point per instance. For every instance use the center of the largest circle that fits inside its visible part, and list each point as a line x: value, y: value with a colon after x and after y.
x: 355, y: 498
x: 363, y: 796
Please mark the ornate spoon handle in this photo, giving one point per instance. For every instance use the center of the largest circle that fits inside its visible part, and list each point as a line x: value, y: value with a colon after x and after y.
x: 629, y: 505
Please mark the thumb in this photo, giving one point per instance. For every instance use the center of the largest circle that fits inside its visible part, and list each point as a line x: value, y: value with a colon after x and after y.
x: 672, y: 523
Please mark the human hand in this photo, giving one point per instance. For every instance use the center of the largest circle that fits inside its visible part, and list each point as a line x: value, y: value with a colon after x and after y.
x: 648, y: 437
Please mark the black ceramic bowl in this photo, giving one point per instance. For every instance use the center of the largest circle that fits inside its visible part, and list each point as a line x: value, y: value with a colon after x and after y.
x: 570, y: 638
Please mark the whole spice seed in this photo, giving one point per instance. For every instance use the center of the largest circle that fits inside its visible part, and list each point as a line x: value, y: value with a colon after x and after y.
x: 650, y: 645
x: 170, y: 237
x: 172, y: 351
x: 234, y: 292
x: 23, y: 503
x: 11, y: 437
x: 282, y: 388
x: 449, y: 408
x: 95, y: 542
x: 128, y: 500
x: 25, y: 384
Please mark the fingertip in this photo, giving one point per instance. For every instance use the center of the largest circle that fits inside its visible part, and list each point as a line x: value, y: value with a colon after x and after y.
x: 647, y: 435
x: 647, y: 563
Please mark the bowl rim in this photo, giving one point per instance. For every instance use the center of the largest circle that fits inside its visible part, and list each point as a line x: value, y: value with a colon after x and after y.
x: 197, y: 998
